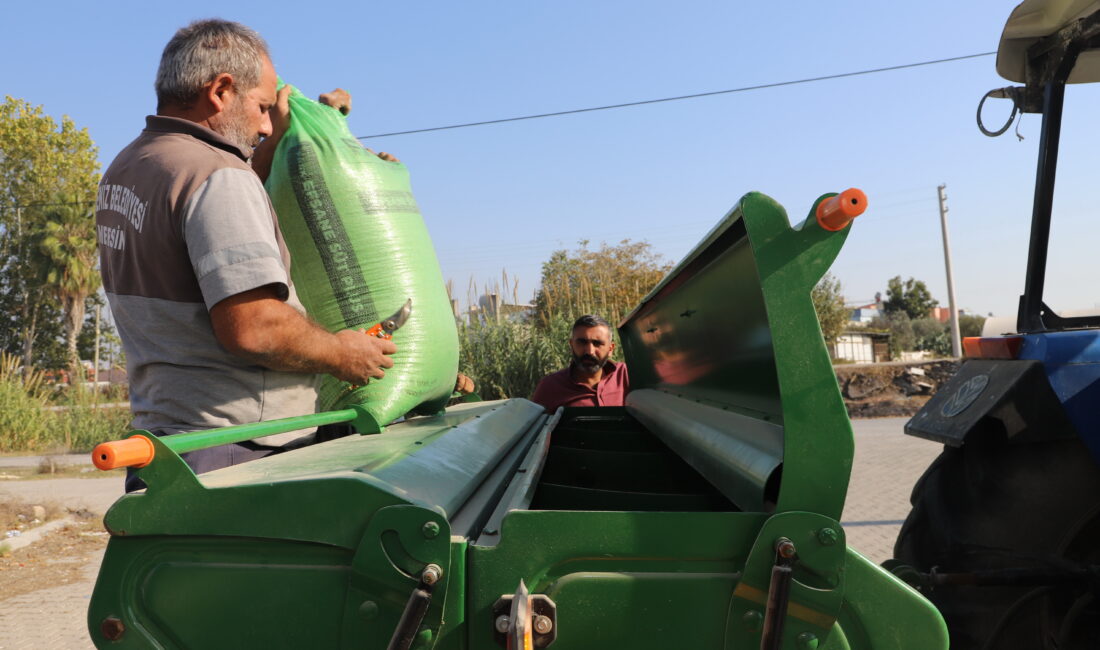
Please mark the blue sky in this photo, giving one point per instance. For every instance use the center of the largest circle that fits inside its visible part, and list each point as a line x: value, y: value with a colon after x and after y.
x: 502, y: 197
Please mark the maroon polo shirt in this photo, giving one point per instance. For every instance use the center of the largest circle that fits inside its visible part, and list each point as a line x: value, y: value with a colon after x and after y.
x: 559, y: 389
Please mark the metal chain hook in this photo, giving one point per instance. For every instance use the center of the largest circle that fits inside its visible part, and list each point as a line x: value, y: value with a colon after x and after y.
x: 1001, y: 93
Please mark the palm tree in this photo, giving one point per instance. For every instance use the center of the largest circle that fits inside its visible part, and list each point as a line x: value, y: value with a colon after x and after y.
x: 69, y: 247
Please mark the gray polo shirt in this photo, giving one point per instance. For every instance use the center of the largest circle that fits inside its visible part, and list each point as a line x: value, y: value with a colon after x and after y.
x: 183, y: 223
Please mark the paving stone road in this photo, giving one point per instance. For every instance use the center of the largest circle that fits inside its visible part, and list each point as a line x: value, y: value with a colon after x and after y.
x: 49, y: 619
x: 886, y: 465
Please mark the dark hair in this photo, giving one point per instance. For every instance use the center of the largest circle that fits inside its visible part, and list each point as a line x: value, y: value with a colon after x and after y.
x: 592, y: 320
x: 200, y: 52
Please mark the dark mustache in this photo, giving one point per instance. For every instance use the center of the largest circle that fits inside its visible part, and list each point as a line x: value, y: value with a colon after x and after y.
x: 589, y: 357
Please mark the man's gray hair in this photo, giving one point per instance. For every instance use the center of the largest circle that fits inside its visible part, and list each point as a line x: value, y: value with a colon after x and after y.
x: 203, y: 50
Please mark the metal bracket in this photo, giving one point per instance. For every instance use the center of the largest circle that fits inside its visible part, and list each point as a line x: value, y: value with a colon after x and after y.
x: 779, y: 595
x: 400, y: 576
x: 792, y: 584
x: 523, y: 621
x: 415, y: 609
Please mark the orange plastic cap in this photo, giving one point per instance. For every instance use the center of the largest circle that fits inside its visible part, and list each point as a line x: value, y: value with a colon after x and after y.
x: 136, y: 451
x: 997, y: 347
x: 837, y: 212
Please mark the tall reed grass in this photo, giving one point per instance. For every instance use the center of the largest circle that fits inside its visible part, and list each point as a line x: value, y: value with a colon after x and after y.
x: 85, y: 419
x: 33, y: 418
x: 23, y: 399
x: 507, y: 358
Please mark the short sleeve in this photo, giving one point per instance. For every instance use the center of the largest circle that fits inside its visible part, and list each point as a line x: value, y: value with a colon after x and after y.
x: 230, y: 235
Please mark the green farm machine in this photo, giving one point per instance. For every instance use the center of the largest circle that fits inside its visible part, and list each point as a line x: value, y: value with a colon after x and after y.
x: 702, y: 514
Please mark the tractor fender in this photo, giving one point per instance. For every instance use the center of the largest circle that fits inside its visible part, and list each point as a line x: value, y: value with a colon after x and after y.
x: 1007, y: 397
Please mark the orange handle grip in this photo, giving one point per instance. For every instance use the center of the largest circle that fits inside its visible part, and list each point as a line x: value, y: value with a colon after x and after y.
x: 837, y: 212
x: 378, y: 333
x: 136, y: 451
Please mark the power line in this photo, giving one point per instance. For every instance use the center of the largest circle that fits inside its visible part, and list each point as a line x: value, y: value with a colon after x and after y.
x: 603, y: 237
x: 681, y: 97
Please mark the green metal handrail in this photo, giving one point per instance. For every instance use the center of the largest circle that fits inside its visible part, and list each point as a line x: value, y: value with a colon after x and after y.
x: 136, y: 450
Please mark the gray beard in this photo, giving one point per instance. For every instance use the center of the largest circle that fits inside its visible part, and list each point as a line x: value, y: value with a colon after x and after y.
x: 235, y: 129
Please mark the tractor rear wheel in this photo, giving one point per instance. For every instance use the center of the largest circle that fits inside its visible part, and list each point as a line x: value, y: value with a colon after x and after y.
x: 990, y: 505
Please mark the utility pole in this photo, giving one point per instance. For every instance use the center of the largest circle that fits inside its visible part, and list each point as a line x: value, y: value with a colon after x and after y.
x: 956, y: 341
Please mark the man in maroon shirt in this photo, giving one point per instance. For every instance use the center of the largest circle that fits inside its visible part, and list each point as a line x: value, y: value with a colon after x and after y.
x: 592, y: 379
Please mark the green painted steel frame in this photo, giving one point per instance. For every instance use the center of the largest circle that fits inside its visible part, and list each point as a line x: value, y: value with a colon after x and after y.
x: 803, y: 396
x: 661, y: 579
x: 622, y: 579
x: 790, y: 262
x: 366, y: 513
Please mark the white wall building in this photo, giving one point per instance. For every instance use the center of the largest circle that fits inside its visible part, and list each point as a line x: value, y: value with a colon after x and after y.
x: 862, y: 347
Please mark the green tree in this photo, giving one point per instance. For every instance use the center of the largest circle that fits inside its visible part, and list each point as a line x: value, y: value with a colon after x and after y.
x: 828, y: 299
x: 40, y: 160
x: 609, y: 281
x: 69, y: 246
x: 932, y: 335
x: 971, y: 325
x: 900, y: 327
x: 49, y: 347
x: 911, y: 297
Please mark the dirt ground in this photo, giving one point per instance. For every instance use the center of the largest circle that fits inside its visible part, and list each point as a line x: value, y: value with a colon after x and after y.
x: 34, y: 500
x: 891, y: 390
x: 56, y: 559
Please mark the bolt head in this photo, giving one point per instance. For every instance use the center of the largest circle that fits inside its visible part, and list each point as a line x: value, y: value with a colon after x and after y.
x: 807, y: 641
x: 828, y: 536
x: 785, y: 547
x: 501, y: 624
x: 432, y: 574
x: 753, y: 620
x: 368, y: 610
x: 112, y: 628
x: 543, y: 624
x: 430, y: 530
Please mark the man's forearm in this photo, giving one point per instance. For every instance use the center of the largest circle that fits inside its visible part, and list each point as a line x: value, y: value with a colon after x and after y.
x: 288, y: 342
x: 263, y: 329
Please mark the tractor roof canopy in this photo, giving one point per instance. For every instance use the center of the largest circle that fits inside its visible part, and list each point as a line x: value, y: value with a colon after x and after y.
x: 1034, y: 19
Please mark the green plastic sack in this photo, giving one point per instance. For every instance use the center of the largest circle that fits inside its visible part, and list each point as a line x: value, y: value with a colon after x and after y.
x: 359, y: 249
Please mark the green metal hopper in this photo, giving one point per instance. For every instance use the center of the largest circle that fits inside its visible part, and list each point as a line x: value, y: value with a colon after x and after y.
x: 702, y: 514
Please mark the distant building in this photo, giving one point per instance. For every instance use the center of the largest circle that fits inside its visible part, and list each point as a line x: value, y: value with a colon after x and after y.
x: 492, y: 308
x: 104, y: 378
x: 865, y: 313
x: 942, y: 314
x: 862, y: 347
x: 110, y: 376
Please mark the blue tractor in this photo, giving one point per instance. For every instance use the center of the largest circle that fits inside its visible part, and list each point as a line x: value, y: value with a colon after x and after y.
x: 1004, y: 533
